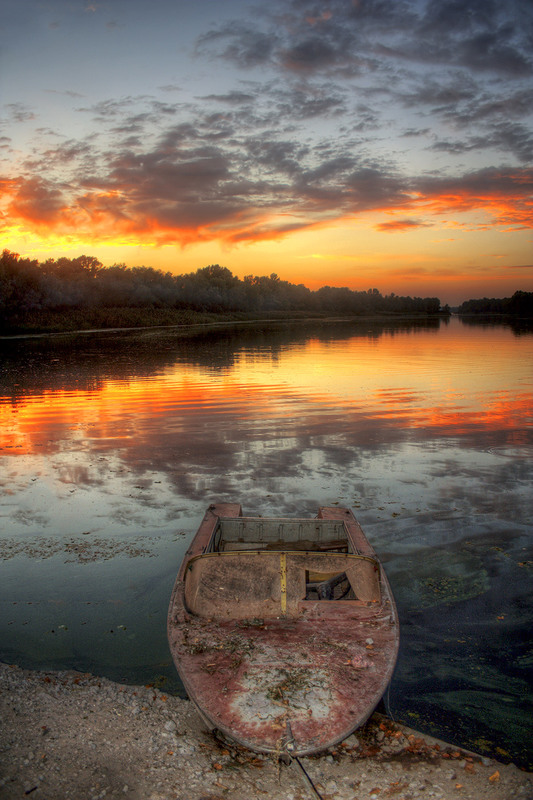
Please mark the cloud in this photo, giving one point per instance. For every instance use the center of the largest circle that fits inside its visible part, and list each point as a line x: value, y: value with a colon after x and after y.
x: 238, y: 43
x: 325, y: 101
x: 67, y: 93
x: 106, y: 109
x: 178, y: 173
x: 316, y: 53
x: 504, y: 136
x: 395, y: 225
x: 443, y: 96
x: 19, y: 112
x: 256, y: 157
x: 459, y: 67
x: 234, y: 97
x: 37, y: 201
x: 346, y: 38
x: 507, y: 195
x: 204, y: 179
x: 483, y: 36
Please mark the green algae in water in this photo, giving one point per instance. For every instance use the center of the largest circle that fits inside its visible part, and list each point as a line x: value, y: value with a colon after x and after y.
x: 439, y: 578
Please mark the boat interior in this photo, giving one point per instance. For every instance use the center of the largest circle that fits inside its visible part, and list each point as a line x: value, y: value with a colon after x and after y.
x: 254, y: 533
x: 276, y: 567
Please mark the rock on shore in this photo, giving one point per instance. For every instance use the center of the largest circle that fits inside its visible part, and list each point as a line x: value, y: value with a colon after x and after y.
x: 72, y: 735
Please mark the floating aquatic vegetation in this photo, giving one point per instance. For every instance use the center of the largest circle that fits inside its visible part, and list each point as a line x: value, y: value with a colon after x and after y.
x: 77, y: 550
x: 439, y: 577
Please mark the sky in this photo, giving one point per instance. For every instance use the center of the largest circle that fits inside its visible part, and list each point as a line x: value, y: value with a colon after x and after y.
x: 364, y: 143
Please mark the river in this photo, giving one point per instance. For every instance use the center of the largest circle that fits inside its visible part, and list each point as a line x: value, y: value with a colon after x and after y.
x: 113, y: 444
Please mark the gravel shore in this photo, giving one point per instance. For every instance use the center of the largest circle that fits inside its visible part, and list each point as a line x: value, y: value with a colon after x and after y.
x: 72, y: 735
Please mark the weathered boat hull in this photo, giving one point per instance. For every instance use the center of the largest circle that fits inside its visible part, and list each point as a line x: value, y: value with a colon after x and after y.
x: 305, y: 673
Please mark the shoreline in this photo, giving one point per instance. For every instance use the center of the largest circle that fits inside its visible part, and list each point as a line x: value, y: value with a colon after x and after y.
x: 67, y: 735
x: 208, y: 320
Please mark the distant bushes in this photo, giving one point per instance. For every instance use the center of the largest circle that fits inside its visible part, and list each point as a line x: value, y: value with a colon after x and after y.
x: 82, y: 291
x: 75, y: 319
x: 519, y: 305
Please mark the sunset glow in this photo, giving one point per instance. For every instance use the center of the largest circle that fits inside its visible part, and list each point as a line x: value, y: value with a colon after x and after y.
x: 459, y: 401
x: 339, y: 145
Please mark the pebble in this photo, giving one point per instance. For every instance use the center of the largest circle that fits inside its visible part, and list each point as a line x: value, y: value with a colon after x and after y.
x: 91, y: 735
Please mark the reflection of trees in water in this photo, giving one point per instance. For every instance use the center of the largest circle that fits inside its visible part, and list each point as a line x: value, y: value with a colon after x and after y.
x: 519, y: 326
x: 86, y: 361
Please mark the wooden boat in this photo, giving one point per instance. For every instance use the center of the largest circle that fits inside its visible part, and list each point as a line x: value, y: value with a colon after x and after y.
x: 284, y: 631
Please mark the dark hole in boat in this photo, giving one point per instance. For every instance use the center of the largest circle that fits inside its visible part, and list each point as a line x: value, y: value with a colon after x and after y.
x: 331, y: 586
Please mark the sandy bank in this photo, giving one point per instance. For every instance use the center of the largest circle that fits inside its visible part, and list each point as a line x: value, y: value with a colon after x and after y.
x: 72, y: 735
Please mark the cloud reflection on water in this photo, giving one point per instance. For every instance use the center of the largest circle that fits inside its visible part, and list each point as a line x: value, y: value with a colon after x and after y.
x: 424, y: 430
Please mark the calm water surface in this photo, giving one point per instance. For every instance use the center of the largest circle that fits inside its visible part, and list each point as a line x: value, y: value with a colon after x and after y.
x: 113, y: 444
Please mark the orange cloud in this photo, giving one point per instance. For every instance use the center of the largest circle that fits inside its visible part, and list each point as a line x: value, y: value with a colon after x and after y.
x: 202, y: 201
x: 507, y: 196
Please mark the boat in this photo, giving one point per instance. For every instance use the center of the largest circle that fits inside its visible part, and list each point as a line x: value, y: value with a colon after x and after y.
x: 284, y: 631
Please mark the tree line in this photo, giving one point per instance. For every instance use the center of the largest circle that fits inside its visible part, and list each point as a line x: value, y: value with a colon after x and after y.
x: 84, y: 283
x: 519, y: 305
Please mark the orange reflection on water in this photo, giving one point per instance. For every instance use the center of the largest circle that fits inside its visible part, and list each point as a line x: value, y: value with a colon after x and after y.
x: 112, y: 414
x: 408, y: 381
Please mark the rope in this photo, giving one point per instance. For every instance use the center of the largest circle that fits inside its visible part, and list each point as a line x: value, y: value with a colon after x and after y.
x: 306, y: 779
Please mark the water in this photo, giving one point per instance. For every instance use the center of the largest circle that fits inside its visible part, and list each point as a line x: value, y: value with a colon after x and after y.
x: 113, y: 444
